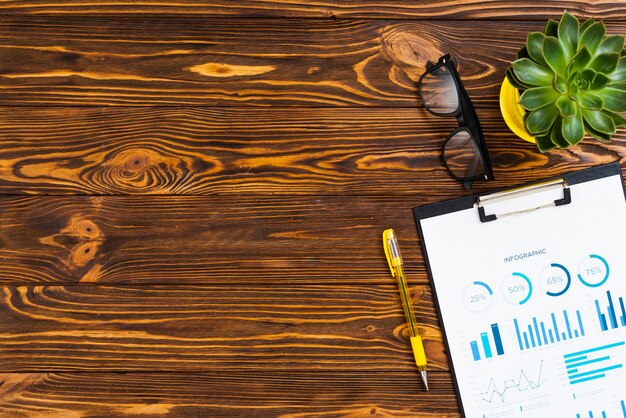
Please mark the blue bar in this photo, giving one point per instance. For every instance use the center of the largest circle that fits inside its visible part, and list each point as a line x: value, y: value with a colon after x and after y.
x: 601, y: 317
x: 595, y: 360
x: 590, y: 414
x: 572, y: 371
x: 623, y: 408
x: 530, y: 334
x: 577, y: 415
x: 526, y: 340
x: 497, y: 339
x: 551, y: 336
x: 591, y: 350
x: 603, y: 414
x: 621, y: 305
x: 475, y: 351
x: 576, y: 333
x: 537, y: 332
x: 569, y: 330
x: 575, y: 359
x: 612, y: 316
x: 486, y: 346
x: 556, y: 328
x: 543, y: 331
x: 564, y: 336
x: 519, y: 337
x: 580, y: 323
x: 586, y: 379
x: 602, y: 370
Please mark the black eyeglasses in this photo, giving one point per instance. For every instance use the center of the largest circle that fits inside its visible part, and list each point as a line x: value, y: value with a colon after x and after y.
x: 464, y: 151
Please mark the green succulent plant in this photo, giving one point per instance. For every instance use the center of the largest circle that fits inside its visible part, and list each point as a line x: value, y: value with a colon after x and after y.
x: 573, y: 81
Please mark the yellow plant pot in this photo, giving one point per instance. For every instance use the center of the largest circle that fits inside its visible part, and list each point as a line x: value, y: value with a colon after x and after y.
x: 512, y: 112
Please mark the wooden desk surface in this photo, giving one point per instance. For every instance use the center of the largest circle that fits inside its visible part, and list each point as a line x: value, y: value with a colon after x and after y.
x: 193, y: 195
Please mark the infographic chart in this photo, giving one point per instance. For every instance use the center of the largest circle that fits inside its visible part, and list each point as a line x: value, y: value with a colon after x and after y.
x: 533, y: 306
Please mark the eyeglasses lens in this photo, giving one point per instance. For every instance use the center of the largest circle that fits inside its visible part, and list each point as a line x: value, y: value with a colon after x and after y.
x: 462, y: 155
x: 439, y: 92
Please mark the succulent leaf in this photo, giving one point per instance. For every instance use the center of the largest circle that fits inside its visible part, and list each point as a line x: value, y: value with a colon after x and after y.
x: 556, y: 135
x: 567, y: 107
x: 618, y: 119
x: 568, y: 34
x: 537, y: 97
x: 614, y: 99
x: 573, y: 128
x: 620, y: 72
x: 544, y: 143
x: 599, y: 121
x: 592, y: 37
x: 605, y: 63
x: 598, y: 135
x: 532, y: 73
x: 560, y: 85
x: 534, y: 47
x: 540, y: 121
x: 613, y: 44
x: 599, y: 81
x: 522, y: 53
x: 585, y: 25
x: 590, y: 101
x: 554, y: 54
x: 580, y: 61
x: 552, y: 28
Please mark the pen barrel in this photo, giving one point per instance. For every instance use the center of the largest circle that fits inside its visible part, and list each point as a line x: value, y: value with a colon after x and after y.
x: 418, y: 352
x: 407, y: 305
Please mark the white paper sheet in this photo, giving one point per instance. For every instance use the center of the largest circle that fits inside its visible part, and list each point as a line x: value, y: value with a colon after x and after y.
x: 491, y: 277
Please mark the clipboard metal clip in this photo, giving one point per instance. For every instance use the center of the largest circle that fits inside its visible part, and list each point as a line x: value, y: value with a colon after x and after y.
x: 520, y: 191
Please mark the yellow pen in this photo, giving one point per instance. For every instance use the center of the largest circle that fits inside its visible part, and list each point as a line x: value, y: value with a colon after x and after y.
x: 392, y: 251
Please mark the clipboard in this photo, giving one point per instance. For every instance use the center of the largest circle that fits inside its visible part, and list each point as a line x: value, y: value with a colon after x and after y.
x: 530, y: 287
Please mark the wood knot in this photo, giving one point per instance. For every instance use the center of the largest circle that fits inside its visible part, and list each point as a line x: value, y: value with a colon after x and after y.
x: 151, y: 169
x: 409, y: 47
x: 82, y: 228
x: 82, y: 239
x: 137, y: 163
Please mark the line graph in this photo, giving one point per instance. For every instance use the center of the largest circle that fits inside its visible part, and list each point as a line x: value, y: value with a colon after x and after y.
x: 522, y: 384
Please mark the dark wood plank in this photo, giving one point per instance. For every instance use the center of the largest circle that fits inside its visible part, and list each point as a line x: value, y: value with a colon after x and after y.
x: 232, y: 394
x: 286, y: 151
x: 485, y: 9
x: 202, y: 328
x: 219, y: 62
x: 171, y: 240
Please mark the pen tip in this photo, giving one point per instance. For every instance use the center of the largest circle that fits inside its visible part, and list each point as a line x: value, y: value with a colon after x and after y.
x: 424, y: 374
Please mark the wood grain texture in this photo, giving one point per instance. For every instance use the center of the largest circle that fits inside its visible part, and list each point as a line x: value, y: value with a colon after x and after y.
x: 234, y: 151
x: 202, y: 328
x: 174, y: 240
x: 233, y: 394
x: 201, y: 61
x: 474, y: 9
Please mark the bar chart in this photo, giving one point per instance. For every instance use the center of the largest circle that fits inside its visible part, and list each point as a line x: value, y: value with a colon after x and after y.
x: 590, y: 414
x: 591, y: 364
x: 610, y: 318
x: 485, y: 342
x: 559, y: 327
x: 603, y: 414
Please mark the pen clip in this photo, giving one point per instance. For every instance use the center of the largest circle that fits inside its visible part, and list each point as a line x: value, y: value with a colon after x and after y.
x: 392, y: 252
